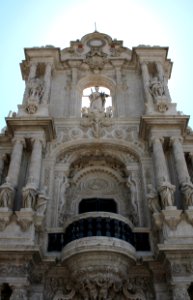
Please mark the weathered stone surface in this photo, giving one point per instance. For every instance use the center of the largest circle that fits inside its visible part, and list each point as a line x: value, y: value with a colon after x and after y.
x: 96, y: 199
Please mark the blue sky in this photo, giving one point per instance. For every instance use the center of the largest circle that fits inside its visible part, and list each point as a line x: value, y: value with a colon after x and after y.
x: 55, y: 22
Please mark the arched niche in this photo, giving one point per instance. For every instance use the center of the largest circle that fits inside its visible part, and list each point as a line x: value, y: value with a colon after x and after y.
x: 95, y: 80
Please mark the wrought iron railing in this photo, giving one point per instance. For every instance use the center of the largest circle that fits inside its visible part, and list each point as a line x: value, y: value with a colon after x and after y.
x: 98, y: 226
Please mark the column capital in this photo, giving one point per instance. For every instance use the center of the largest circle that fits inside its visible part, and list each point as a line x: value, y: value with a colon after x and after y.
x: 36, y: 140
x: 176, y: 139
x: 19, y: 140
x: 156, y: 139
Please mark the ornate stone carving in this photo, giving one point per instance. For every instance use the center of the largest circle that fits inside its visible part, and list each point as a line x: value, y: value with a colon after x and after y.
x: 152, y: 199
x: 6, y: 195
x: 166, y: 191
x: 35, y: 94
x: 172, y: 216
x: 29, y: 196
x: 187, y: 189
x: 19, y: 294
x: 96, y: 59
x: 180, y: 293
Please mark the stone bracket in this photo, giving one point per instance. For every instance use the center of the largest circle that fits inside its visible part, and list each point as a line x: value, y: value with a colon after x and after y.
x: 25, y: 218
x: 5, y: 216
x: 172, y: 216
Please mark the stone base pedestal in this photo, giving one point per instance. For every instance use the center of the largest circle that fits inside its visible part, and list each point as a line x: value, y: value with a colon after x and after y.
x: 5, y: 215
x: 172, y: 216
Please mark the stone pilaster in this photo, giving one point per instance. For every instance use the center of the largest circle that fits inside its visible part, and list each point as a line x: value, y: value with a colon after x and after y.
x: 47, y: 82
x: 146, y: 79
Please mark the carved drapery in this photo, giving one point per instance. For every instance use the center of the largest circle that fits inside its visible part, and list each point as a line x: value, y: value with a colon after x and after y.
x: 180, y: 292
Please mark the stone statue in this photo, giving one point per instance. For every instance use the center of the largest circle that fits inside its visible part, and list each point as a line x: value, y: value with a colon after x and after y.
x: 166, y: 191
x: 41, y: 203
x: 97, y: 100
x: 6, y: 194
x: 133, y: 198
x: 187, y: 189
x: 156, y: 88
x: 29, y: 197
x: 35, y: 89
x: 153, y: 200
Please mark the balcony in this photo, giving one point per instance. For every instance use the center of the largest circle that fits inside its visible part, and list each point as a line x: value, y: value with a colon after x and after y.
x: 92, y: 225
x: 98, y: 249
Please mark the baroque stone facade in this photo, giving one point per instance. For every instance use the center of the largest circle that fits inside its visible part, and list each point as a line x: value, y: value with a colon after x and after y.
x: 96, y: 199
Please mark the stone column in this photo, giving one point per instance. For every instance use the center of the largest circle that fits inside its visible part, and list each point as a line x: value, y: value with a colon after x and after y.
x: 180, y: 162
x: 47, y: 82
x: 15, y: 163
x: 186, y: 185
x: 159, y: 159
x: 32, y: 74
x: 146, y: 79
x: 35, y: 163
x: 31, y: 188
x: 165, y: 188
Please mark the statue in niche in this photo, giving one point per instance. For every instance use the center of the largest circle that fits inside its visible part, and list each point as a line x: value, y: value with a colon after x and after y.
x: 166, y: 191
x: 35, y: 89
x: 157, y: 88
x: 97, y: 100
x: 6, y: 194
x: 41, y: 201
x: 187, y: 189
x: 153, y: 200
x: 131, y: 184
x: 29, y: 197
x: 35, y: 94
x: 62, y: 191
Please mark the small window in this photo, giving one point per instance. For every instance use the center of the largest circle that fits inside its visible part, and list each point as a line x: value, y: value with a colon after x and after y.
x: 97, y: 204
